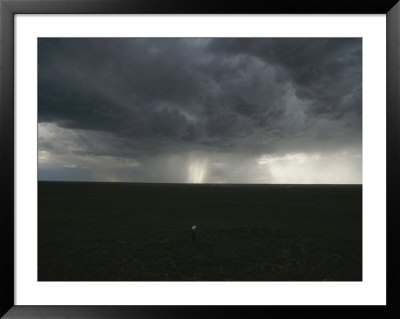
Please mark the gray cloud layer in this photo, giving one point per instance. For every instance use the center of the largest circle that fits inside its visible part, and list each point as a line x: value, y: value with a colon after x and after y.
x: 224, y: 102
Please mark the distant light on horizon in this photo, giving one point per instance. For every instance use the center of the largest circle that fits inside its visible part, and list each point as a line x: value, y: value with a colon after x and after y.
x: 303, y: 168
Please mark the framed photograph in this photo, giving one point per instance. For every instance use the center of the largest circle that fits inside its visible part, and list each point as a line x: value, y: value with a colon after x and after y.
x: 175, y: 159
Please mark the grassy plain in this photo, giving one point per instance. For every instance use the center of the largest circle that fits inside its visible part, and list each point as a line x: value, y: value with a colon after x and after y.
x: 142, y: 232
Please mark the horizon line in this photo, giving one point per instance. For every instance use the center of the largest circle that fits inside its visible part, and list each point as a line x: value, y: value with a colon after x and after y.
x: 185, y: 183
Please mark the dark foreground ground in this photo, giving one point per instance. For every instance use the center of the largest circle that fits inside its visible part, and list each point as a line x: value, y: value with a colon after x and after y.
x: 131, y: 232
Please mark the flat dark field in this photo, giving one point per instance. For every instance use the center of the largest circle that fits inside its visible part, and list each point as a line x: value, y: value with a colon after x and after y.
x: 135, y: 232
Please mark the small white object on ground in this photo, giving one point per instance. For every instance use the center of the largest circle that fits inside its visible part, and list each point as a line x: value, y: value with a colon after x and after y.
x: 194, y: 227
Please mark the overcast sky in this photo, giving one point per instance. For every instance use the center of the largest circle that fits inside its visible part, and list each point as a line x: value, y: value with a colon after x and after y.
x: 200, y: 110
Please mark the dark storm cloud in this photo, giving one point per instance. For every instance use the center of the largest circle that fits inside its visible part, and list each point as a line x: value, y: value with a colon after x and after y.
x: 149, y: 99
x: 194, y: 90
x: 324, y: 71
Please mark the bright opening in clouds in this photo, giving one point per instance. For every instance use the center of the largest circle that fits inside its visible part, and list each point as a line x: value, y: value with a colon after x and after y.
x: 189, y: 110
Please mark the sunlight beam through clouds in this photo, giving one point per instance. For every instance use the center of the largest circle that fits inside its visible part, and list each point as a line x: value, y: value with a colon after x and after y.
x: 197, y: 170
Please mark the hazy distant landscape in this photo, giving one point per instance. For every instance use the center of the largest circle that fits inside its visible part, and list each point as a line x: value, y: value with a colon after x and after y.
x: 142, y: 232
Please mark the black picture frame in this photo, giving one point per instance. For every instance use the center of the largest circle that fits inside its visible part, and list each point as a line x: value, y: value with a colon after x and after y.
x: 8, y: 8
